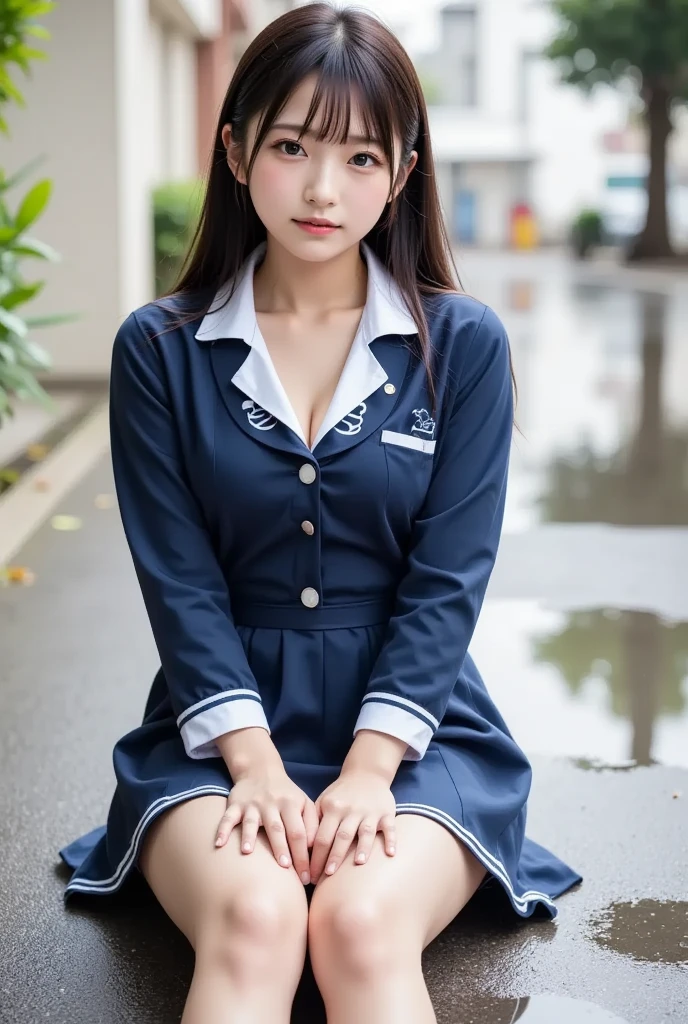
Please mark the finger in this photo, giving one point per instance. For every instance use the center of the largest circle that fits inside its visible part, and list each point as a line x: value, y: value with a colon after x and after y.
x: 322, y: 844
x: 311, y: 820
x: 249, y: 829
x: 344, y: 837
x: 389, y: 831
x: 298, y: 842
x: 366, y: 837
x: 277, y: 837
x: 228, y: 821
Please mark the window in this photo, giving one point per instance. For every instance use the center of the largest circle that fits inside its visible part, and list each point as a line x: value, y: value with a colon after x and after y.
x: 459, y: 45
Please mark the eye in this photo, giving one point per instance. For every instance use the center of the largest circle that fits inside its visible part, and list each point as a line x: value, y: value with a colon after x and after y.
x: 366, y: 156
x: 289, y: 142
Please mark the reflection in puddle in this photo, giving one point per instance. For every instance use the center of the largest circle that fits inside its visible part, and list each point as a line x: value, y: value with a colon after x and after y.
x: 643, y: 482
x: 646, y: 930
x: 618, y: 679
x: 593, y: 764
x: 531, y: 1010
x: 641, y: 661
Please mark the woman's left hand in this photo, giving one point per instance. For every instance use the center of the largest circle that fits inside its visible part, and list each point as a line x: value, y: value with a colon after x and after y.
x: 353, y: 809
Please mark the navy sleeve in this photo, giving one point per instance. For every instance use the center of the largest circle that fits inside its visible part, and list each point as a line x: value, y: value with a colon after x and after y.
x: 453, y: 549
x: 211, y: 685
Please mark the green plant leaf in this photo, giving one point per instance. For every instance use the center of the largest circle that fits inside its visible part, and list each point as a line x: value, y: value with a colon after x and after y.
x: 17, y: 296
x: 51, y: 321
x: 13, y: 323
x: 7, y: 235
x: 21, y: 174
x: 8, y: 353
x: 38, y: 32
x: 39, y: 358
x: 37, y: 8
x: 33, y: 204
x: 32, y: 247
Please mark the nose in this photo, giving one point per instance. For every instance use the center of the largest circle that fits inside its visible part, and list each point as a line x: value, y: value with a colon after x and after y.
x: 321, y: 187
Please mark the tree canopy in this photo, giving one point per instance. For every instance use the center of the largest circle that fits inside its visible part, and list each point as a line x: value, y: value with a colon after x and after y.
x: 609, y: 40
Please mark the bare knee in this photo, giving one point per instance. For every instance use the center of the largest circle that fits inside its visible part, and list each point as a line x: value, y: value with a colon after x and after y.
x: 357, y: 933
x: 248, y: 932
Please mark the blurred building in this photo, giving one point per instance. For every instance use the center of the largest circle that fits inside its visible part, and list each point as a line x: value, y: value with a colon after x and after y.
x: 126, y: 99
x: 505, y: 130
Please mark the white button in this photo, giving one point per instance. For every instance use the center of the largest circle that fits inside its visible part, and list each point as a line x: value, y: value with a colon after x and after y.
x: 308, y: 528
x: 307, y: 473
x: 389, y: 389
x: 310, y: 597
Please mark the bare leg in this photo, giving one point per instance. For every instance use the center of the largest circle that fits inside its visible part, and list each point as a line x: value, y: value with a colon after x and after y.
x: 245, y: 916
x: 369, y: 924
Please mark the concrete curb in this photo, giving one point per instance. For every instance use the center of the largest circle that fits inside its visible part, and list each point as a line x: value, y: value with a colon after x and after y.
x: 25, y: 506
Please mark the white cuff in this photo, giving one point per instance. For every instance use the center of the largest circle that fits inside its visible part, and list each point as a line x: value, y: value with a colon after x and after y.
x: 202, y: 723
x: 385, y: 712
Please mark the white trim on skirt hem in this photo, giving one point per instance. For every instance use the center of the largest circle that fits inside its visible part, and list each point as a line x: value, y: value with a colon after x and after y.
x: 494, y: 866
x: 156, y: 808
x: 487, y: 859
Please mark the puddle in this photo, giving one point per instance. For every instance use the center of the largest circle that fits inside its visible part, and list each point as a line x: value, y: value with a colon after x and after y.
x: 532, y: 1010
x: 601, y: 406
x: 618, y: 679
x: 651, y: 931
x: 591, y: 764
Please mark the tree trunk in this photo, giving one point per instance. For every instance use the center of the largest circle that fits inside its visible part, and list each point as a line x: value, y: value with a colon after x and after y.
x: 653, y: 242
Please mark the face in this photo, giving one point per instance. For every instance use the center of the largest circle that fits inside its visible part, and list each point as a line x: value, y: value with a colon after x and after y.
x: 292, y: 182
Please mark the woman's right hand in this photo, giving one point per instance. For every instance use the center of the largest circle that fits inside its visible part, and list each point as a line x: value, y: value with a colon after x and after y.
x: 267, y: 797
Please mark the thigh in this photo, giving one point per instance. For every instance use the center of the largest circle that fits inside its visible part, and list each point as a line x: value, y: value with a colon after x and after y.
x: 424, y: 886
x: 193, y: 879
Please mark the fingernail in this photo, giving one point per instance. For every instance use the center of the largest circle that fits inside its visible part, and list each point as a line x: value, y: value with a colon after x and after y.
x: 305, y: 877
x: 330, y: 868
x: 392, y: 849
x: 246, y: 847
x: 218, y: 841
x: 284, y: 860
x: 360, y: 858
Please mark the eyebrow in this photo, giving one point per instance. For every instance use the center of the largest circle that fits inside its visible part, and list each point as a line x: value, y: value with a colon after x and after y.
x: 298, y: 129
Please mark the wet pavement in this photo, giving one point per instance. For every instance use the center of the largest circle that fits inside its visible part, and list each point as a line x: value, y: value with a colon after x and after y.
x: 583, y: 642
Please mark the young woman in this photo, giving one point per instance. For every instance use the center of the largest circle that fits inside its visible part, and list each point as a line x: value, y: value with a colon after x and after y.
x: 310, y: 442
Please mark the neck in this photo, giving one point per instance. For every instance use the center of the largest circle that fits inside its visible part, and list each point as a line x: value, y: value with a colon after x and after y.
x: 285, y: 284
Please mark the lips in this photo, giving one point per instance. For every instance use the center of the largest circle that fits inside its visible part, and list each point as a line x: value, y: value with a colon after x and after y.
x: 318, y: 222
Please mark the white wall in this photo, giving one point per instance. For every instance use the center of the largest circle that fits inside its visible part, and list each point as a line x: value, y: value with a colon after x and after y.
x: 71, y: 118
x: 134, y: 154
x: 181, y: 88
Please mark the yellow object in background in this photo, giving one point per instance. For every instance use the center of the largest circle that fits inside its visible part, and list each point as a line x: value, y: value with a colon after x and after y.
x: 66, y: 523
x: 524, y: 232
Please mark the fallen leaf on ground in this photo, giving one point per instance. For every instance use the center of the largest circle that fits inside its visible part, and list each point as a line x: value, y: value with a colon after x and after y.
x: 37, y: 452
x: 66, y: 523
x: 18, y: 574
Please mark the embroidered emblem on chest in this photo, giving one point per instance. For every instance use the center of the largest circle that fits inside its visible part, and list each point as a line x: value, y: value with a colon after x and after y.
x: 257, y: 417
x: 353, y: 421
x: 424, y: 424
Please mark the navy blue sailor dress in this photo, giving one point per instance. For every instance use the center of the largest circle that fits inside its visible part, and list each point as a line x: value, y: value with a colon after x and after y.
x: 317, y: 591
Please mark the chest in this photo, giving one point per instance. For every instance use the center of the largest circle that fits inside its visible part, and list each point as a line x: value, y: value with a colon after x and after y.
x: 309, y: 358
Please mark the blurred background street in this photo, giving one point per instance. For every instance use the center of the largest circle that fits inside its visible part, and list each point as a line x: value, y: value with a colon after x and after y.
x: 549, y: 174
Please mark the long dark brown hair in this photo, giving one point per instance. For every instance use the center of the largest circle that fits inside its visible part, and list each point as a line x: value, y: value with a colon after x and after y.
x: 350, y: 52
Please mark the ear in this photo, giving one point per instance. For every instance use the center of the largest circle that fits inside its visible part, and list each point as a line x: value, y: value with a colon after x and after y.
x: 406, y: 171
x: 234, y: 154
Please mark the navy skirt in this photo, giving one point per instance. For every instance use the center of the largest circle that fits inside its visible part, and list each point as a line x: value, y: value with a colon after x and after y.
x: 474, y: 780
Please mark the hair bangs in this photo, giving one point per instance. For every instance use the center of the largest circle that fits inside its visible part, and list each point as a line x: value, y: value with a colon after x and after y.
x: 345, y: 87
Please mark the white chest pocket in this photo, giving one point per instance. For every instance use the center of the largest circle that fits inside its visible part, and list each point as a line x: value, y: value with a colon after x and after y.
x: 419, y: 444
x: 410, y: 461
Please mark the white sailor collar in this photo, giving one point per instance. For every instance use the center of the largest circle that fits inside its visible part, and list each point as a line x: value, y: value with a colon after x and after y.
x: 385, y: 313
